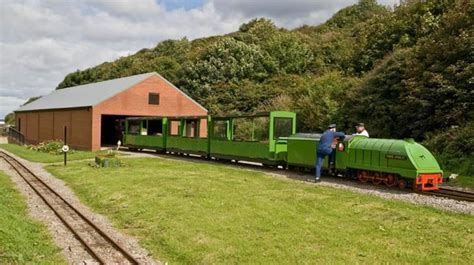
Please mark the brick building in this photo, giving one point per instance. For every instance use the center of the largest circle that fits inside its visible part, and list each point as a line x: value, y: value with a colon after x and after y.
x: 93, y: 113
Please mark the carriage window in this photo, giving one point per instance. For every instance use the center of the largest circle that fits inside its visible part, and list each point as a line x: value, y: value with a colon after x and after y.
x: 191, y: 128
x: 155, y: 127
x: 243, y: 129
x: 144, y: 130
x: 202, y: 128
x: 220, y: 129
x: 154, y: 98
x: 254, y: 129
x: 261, y: 125
x: 175, y: 128
x: 133, y: 127
x: 283, y: 127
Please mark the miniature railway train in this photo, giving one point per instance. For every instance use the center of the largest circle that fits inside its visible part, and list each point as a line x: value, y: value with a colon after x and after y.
x: 271, y: 139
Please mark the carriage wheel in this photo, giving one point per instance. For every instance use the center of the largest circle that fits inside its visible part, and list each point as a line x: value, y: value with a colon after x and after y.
x: 390, y: 180
x: 362, y: 176
x: 402, y: 184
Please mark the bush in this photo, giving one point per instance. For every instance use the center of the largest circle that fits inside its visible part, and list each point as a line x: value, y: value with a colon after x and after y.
x: 108, y: 159
x: 454, y: 148
x: 53, y: 147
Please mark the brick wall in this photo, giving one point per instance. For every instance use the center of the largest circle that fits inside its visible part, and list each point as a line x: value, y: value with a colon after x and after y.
x: 134, y: 102
x: 39, y: 126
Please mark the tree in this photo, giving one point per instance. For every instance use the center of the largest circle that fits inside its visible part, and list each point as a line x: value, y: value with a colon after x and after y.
x: 291, y: 56
x: 10, y: 118
x: 228, y: 60
x: 424, y: 88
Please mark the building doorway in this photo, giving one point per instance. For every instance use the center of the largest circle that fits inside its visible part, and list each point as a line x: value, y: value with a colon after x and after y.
x: 112, y: 127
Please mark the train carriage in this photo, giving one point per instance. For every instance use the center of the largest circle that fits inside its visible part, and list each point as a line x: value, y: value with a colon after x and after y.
x: 188, y: 135
x: 255, y: 138
x: 146, y: 133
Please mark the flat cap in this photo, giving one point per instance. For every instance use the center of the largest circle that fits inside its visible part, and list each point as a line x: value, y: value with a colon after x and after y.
x: 332, y: 126
x: 361, y: 124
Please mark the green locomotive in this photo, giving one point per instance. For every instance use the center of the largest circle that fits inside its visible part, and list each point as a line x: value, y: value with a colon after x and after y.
x: 387, y: 161
x: 271, y: 139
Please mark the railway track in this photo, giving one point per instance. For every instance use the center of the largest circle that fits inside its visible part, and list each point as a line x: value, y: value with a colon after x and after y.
x: 100, y: 246
x: 452, y: 194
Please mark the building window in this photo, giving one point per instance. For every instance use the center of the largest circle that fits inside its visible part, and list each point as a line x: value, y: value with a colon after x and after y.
x: 154, y: 99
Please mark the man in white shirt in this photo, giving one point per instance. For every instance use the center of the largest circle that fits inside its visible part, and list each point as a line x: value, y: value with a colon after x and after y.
x: 360, y: 130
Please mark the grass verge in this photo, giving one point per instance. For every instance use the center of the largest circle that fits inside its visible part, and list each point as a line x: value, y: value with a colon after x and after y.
x: 36, y: 156
x: 188, y: 213
x: 22, y: 240
x: 463, y: 181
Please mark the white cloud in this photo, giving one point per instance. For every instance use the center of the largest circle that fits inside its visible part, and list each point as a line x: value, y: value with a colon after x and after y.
x: 9, y: 103
x: 43, y: 40
x: 286, y: 13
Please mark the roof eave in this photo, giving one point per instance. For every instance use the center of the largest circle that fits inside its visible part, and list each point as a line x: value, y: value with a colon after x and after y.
x: 67, y: 108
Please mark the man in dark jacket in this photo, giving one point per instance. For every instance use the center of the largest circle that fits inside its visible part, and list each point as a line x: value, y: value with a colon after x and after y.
x: 326, y: 148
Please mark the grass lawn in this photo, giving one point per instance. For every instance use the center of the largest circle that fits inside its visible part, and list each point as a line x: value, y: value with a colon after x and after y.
x: 22, y: 240
x: 36, y: 156
x: 462, y: 181
x: 195, y: 213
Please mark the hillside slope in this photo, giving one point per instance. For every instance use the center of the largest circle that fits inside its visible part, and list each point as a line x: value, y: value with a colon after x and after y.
x: 406, y: 72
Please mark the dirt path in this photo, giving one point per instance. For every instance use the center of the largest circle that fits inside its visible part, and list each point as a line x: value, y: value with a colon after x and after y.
x: 73, y: 251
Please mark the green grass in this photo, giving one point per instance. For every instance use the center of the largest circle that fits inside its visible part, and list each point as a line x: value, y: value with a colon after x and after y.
x: 22, y: 240
x: 198, y: 213
x: 462, y: 181
x: 36, y: 156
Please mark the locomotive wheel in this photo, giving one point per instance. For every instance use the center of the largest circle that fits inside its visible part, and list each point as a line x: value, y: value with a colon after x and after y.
x: 362, y: 176
x: 377, y: 179
x: 402, y: 184
x: 390, y: 180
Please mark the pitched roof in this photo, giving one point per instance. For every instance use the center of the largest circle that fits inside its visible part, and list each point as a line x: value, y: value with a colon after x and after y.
x: 88, y: 95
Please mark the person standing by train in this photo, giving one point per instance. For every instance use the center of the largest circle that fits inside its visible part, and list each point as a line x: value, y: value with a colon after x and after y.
x: 326, y: 148
x: 360, y: 130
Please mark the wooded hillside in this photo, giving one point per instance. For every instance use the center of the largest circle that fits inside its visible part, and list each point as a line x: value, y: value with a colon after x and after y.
x: 407, y: 72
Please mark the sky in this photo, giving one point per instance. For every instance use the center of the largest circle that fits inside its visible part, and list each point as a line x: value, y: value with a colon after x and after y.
x: 43, y: 40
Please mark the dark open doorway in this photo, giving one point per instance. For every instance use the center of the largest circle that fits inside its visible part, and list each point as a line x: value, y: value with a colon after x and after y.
x: 111, y: 129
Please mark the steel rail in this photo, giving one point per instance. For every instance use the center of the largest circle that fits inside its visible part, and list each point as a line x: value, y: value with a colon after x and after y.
x: 12, y: 161
x: 453, y: 194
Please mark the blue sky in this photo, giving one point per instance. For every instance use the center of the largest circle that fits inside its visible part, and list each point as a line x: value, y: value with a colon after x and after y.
x: 177, y: 4
x: 43, y: 40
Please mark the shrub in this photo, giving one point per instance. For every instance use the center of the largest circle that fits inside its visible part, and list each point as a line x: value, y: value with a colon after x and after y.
x: 107, y: 159
x: 51, y: 147
x: 454, y: 148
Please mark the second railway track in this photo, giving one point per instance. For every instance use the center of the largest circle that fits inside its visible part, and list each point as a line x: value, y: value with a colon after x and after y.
x: 452, y: 194
x: 100, y: 246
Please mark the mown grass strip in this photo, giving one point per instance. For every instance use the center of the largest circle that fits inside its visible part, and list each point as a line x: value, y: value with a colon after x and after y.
x: 22, y: 240
x: 36, y: 156
x: 200, y: 213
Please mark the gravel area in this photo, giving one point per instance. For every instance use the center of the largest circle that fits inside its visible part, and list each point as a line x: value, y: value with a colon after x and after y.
x: 379, y: 191
x: 73, y: 251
